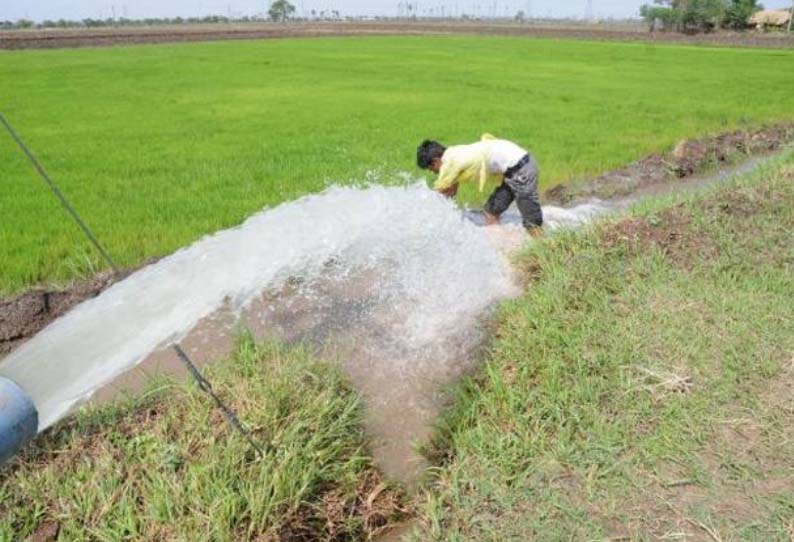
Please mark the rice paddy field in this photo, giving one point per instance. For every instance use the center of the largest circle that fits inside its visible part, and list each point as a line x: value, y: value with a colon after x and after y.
x: 158, y: 145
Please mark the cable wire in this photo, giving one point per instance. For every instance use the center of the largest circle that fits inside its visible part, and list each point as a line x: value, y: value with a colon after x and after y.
x: 202, y: 382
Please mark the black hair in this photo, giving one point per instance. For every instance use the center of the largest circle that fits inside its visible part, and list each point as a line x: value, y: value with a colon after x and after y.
x: 427, y: 152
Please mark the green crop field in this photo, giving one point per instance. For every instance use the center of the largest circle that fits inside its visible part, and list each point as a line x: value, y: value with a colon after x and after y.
x: 158, y: 145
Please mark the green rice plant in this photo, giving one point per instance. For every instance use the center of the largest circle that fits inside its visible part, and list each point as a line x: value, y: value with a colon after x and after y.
x: 157, y: 145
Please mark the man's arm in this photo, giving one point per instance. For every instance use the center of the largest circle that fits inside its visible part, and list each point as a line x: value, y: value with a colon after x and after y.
x: 447, y: 182
x: 451, y: 191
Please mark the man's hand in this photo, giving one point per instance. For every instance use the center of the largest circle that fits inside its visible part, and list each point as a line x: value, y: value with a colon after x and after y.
x: 451, y: 191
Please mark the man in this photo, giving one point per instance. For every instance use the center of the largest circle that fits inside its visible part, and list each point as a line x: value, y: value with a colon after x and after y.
x: 488, y: 159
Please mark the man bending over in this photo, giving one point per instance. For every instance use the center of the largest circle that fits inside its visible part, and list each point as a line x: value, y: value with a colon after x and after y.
x: 488, y: 159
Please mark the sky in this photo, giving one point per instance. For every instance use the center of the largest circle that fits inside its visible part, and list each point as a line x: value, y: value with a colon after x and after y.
x: 39, y: 10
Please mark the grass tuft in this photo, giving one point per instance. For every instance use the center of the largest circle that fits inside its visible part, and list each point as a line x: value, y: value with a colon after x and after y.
x: 166, y: 465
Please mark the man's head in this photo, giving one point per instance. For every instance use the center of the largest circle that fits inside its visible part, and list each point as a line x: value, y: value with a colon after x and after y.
x: 428, y: 155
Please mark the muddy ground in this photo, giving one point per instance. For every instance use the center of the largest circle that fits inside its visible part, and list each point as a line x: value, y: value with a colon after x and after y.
x: 92, y: 37
x: 24, y: 315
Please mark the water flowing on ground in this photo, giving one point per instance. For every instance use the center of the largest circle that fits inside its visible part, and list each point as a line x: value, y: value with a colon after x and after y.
x: 394, y: 282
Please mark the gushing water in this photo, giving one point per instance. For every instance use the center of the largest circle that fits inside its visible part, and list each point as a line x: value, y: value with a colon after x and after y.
x: 397, y: 279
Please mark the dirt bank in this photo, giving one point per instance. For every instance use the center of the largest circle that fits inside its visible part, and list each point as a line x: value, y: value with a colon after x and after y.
x: 689, y: 158
x: 24, y: 315
x: 93, y: 37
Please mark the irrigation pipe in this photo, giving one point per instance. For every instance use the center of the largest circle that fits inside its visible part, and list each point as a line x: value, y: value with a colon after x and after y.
x: 202, y: 382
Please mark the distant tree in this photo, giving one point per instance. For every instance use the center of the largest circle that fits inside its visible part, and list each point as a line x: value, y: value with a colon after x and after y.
x: 520, y: 16
x: 700, y: 15
x: 738, y: 13
x: 24, y: 23
x: 280, y: 10
x: 694, y: 15
x: 665, y: 16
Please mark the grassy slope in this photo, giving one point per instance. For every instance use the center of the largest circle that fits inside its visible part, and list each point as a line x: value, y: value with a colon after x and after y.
x: 640, y: 388
x: 168, y: 467
x: 157, y: 145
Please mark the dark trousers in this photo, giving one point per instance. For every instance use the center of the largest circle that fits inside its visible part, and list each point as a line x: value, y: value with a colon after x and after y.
x: 521, y: 186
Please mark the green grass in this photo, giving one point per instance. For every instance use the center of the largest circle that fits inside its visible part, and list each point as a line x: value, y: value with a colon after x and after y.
x: 640, y: 388
x: 157, y: 145
x: 167, y: 466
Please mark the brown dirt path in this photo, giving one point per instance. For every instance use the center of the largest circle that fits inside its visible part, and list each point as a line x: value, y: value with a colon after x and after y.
x: 96, y: 37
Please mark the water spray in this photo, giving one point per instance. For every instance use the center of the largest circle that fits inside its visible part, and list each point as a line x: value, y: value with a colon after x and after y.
x: 401, y: 307
x: 19, y: 418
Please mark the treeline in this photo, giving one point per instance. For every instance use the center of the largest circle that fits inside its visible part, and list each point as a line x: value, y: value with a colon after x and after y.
x: 121, y: 21
x: 690, y: 16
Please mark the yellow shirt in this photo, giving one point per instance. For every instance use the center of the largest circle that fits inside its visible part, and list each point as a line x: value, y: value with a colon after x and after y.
x: 483, y: 161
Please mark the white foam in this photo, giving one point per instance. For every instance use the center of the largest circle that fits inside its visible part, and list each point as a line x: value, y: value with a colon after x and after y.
x: 442, y: 271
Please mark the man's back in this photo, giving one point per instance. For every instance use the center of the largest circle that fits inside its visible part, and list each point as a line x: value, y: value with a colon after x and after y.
x: 500, y: 154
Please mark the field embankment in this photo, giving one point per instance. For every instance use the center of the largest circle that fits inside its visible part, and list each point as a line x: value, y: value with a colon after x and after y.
x: 167, y: 466
x: 159, y: 145
x: 641, y: 387
x: 97, y: 37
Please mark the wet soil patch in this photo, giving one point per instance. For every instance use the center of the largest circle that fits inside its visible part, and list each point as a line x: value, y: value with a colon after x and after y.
x: 23, y: 315
x: 669, y: 231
